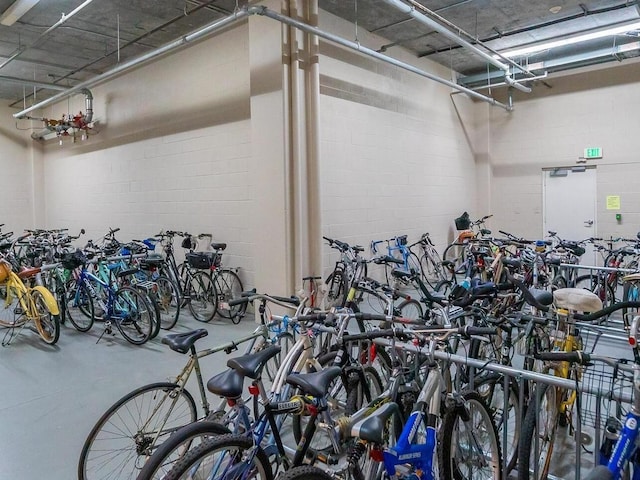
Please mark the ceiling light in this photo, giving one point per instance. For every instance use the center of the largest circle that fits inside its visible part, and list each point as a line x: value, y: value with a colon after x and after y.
x: 555, y: 9
x: 519, y: 52
x: 17, y: 9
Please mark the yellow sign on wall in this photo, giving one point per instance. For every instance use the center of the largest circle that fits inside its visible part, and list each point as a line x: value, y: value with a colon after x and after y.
x: 613, y: 202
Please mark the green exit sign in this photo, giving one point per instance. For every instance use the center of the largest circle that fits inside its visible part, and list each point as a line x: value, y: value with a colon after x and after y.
x: 593, y: 152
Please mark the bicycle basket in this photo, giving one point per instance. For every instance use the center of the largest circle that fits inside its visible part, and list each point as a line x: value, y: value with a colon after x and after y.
x: 5, y: 270
x: 201, y: 260
x: 188, y: 243
x: 463, y: 222
x: 71, y: 261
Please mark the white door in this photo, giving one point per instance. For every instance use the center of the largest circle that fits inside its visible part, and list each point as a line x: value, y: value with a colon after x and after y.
x: 569, y: 205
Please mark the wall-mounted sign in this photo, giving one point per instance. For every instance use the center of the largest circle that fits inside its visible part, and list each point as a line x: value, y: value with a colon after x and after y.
x: 613, y: 202
x: 593, y: 152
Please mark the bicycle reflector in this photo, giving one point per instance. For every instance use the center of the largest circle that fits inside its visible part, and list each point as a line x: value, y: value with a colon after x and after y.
x: 632, y: 341
x: 253, y: 390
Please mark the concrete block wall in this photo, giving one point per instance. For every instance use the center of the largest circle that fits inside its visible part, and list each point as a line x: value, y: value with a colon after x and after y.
x: 17, y: 175
x: 173, y: 154
x: 551, y: 128
x: 396, y: 149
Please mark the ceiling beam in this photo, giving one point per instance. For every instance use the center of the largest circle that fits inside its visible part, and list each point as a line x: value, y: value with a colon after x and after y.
x: 33, y: 83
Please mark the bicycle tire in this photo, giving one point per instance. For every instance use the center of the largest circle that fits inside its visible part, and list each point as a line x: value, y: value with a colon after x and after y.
x: 305, y: 472
x: 336, y: 289
x: 527, y: 442
x: 79, y: 308
x: 450, y: 458
x: 228, y: 286
x: 413, y: 262
x: 432, y: 266
x: 168, y: 299
x: 202, y: 302
x: 411, y: 309
x: 444, y: 287
x: 491, y: 389
x: 595, y: 285
x: 134, y: 315
x: 223, y: 443
x: 155, y: 310
x: 135, y: 442
x: 177, y: 446
x: 559, y: 282
x: 46, y: 323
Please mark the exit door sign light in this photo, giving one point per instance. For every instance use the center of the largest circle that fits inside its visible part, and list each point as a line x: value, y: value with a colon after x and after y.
x: 593, y: 152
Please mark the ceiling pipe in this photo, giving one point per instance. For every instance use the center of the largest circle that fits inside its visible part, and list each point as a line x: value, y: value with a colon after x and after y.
x: 64, y: 18
x: 476, y: 41
x: 206, y: 30
x: 20, y: 81
x: 420, y: 17
x: 518, y: 86
x: 261, y: 10
x: 234, y: 18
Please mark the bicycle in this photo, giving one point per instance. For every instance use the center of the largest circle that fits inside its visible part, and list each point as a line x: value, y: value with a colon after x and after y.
x: 25, y: 306
x: 162, y: 407
x: 407, y: 260
x: 125, y: 307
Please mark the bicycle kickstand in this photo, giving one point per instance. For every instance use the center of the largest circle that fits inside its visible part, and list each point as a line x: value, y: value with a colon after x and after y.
x: 107, y: 329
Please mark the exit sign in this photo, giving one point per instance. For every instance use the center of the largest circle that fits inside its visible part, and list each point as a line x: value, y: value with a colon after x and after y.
x: 593, y: 152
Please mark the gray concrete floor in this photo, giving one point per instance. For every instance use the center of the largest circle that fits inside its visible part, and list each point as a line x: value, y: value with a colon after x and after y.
x: 51, y: 396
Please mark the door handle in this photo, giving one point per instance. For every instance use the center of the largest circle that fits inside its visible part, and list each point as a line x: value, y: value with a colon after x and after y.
x: 588, y: 223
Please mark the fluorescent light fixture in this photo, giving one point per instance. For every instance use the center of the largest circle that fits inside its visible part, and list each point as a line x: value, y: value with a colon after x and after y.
x: 563, y: 42
x: 17, y: 9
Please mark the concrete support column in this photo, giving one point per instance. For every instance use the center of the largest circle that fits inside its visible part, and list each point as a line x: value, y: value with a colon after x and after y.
x: 483, y: 159
x: 270, y: 165
x: 38, y: 186
x: 304, y: 98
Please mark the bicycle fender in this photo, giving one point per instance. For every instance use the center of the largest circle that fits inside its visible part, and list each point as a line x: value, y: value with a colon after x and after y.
x: 49, y: 299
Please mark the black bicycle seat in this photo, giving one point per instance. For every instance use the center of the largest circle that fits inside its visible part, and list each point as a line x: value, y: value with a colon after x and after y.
x: 182, y: 342
x: 316, y: 383
x: 226, y: 384
x: 251, y: 365
x: 218, y: 246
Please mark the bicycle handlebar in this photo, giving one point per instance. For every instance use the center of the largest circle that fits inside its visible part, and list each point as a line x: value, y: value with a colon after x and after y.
x: 572, y: 357
x: 605, y: 311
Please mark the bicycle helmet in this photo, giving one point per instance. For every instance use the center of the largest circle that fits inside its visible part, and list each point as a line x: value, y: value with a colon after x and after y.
x: 5, y: 270
x: 527, y: 256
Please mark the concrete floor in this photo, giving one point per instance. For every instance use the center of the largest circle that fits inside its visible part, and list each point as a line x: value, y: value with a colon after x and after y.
x: 51, y: 396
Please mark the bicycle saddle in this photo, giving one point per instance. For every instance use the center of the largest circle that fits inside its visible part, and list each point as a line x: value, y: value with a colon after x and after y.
x: 126, y: 273
x: 27, y: 272
x: 371, y: 428
x: 543, y: 297
x: 182, y: 342
x: 251, y: 365
x: 226, y: 384
x: 577, y: 299
x: 218, y: 246
x: 316, y: 383
x: 512, y: 262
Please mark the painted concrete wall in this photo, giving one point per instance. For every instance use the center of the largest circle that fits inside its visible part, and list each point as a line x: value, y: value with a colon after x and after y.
x: 551, y: 128
x: 18, y: 172
x: 172, y: 152
x: 396, y: 149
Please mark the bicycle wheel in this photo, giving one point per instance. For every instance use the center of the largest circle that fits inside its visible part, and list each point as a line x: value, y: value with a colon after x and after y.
x: 285, y: 340
x: 336, y: 289
x: 133, y: 315
x: 411, y: 309
x: 491, y: 389
x: 470, y: 449
x: 203, y: 302
x: 216, y: 457
x: 154, y: 309
x: 305, y: 472
x: 168, y: 299
x: 228, y: 286
x: 598, y: 286
x: 176, y: 447
x: 47, y: 324
x: 79, y: 307
x: 432, y: 266
x: 414, y: 265
x: 132, y: 428
x: 538, y: 429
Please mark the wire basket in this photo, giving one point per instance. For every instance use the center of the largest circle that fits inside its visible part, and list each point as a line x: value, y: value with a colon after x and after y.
x: 605, y: 392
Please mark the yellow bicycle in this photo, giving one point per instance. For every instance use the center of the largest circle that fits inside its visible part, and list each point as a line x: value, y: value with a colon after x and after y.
x: 30, y: 307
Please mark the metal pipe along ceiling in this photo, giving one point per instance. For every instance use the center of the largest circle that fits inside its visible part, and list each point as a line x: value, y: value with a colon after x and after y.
x: 372, y: 53
x: 411, y: 11
x: 234, y: 18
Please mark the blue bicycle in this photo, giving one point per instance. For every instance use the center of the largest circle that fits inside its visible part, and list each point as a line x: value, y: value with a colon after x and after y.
x: 125, y: 307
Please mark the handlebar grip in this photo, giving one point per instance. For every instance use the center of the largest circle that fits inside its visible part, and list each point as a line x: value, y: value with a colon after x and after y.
x: 532, y: 319
x: 312, y: 317
x: 114, y: 230
x: 573, y: 357
x: 605, y: 311
x: 371, y: 317
x: 238, y: 301
x: 292, y: 300
x: 469, y: 330
x: 408, y: 321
